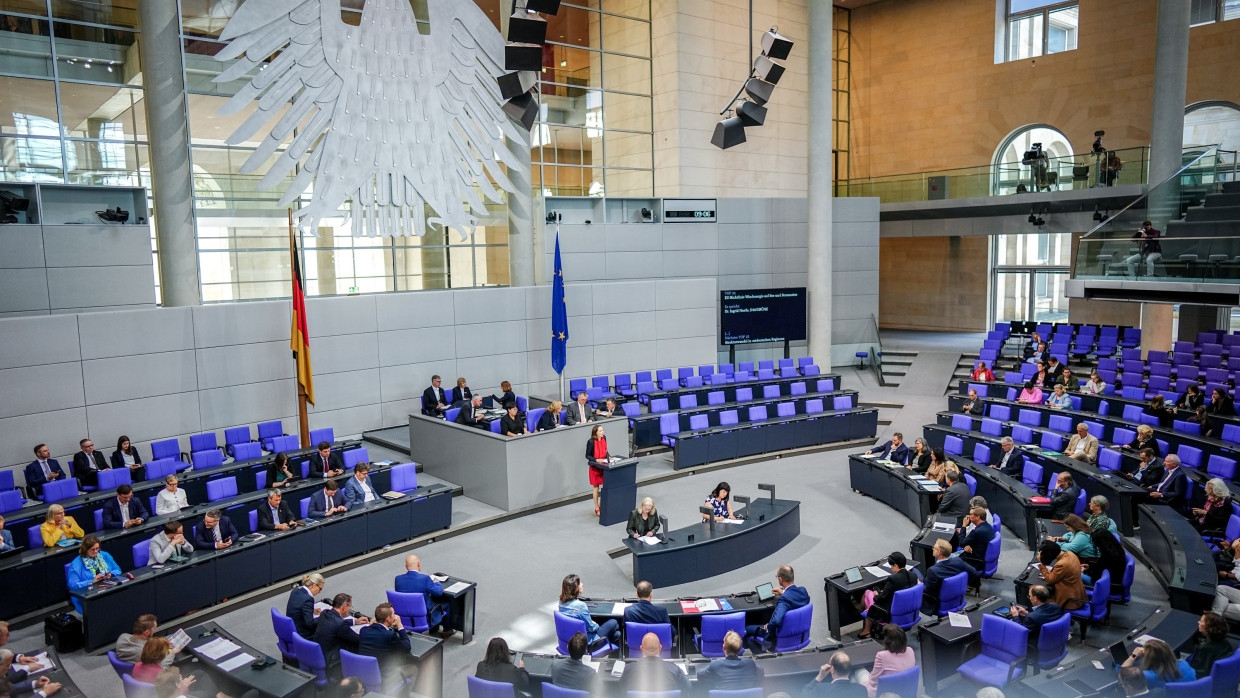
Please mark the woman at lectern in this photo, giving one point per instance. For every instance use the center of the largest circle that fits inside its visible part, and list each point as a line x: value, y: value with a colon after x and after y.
x: 644, y: 520
x: 720, y: 502
x: 596, y: 455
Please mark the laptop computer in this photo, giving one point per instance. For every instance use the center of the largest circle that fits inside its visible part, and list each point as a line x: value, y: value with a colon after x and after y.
x: 1119, y: 652
x: 853, y: 575
x: 764, y: 592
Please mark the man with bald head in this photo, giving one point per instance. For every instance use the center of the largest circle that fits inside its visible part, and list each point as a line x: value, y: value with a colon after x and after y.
x: 651, y: 674
x: 438, y: 609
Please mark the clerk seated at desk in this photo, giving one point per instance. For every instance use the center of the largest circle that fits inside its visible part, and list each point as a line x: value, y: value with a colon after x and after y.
x: 945, y: 566
x: 216, y: 531
x: 718, y: 501
x: 644, y: 520
x: 761, y: 638
x: 511, y: 424
x: 169, y: 544
x: 124, y: 510
x: 471, y: 415
x: 274, y: 514
x: 438, y: 607
x: 327, y: 501
x: 893, y: 450
x: 358, y: 489
x: 461, y: 393
x: 325, y: 462
x: 644, y: 611
x: 90, y: 567
x: 506, y: 395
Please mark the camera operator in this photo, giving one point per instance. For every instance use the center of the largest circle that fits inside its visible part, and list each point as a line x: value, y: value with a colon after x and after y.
x: 1112, y: 168
x: 1148, y: 248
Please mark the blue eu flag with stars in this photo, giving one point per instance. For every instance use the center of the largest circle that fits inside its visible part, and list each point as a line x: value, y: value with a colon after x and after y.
x: 559, y: 314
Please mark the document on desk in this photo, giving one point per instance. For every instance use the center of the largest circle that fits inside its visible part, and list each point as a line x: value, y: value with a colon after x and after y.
x: 877, y: 571
x: 218, y: 647
x: 236, y: 662
x: 650, y: 540
x: 457, y: 588
x: 931, y: 487
x: 321, y: 606
x: 707, y: 605
x: 42, y: 663
x: 959, y: 620
x: 617, y: 609
x: 943, y: 526
x: 439, y: 578
x: 730, y: 521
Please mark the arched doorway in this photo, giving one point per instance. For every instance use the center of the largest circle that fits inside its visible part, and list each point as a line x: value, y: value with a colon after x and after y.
x: 1009, y: 175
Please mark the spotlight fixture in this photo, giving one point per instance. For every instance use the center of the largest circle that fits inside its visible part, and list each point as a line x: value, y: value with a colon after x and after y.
x: 517, y: 83
x: 523, y: 55
x: 1100, y: 216
x: 523, y: 108
x: 1036, y: 219
x: 764, y: 74
x: 547, y: 7
x: 527, y: 28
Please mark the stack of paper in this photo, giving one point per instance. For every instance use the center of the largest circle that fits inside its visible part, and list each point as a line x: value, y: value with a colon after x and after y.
x: 959, y: 620
x: 217, y: 648
x: 707, y: 605
x: 237, y: 662
x: 618, y: 608
x: 877, y: 571
x: 43, y: 663
x: 457, y: 588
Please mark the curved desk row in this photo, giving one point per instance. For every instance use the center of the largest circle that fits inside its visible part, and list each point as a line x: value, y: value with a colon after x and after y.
x: 703, y: 550
x: 684, y: 621
x: 47, y: 564
x: 755, y: 384
x: 774, y: 435
x: 1122, y: 494
x: 194, y: 482
x: 211, y: 575
x: 647, y: 428
x: 1181, y: 560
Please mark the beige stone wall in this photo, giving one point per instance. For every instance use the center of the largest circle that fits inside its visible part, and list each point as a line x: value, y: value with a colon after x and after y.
x: 700, y: 59
x: 933, y: 283
x: 927, y: 94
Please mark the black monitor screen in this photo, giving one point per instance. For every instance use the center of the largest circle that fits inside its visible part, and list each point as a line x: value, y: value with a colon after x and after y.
x: 762, y: 315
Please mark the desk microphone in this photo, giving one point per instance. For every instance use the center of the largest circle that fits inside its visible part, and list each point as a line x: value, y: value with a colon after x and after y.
x: 207, y: 633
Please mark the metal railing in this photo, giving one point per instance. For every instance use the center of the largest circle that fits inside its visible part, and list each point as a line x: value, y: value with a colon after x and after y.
x: 876, y: 353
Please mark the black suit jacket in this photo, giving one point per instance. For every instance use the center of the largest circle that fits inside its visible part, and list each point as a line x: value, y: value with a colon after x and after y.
x: 1015, y: 462
x: 80, y: 464
x: 955, y: 502
x: 34, y: 474
x: 465, y: 416
x: 573, y: 674
x: 333, y: 632
x: 334, y: 461
x: 264, y: 515
x: 1175, y: 488
x: 301, y: 609
x: 118, y: 460
x: 112, y: 511
x: 205, y: 540
x: 1153, y: 474
x: 462, y: 394
x: 430, y: 403
x: 978, y: 540
x: 646, y: 612
x: 1064, y: 501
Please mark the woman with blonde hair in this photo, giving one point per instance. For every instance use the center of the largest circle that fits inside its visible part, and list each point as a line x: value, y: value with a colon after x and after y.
x: 1213, y: 513
x: 644, y: 520
x: 301, y: 604
x: 552, y: 417
x: 1158, y: 663
x: 1144, y: 439
x: 59, y: 528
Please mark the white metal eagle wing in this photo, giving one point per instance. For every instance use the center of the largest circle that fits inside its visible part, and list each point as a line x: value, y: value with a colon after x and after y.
x: 394, y: 120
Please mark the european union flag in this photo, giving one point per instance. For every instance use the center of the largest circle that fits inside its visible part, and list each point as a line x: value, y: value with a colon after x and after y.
x: 559, y: 314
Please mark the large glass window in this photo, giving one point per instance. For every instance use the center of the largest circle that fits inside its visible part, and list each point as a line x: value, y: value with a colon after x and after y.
x: 1040, y: 27
x: 1014, y: 172
x: 1207, y: 11
x: 1029, y: 273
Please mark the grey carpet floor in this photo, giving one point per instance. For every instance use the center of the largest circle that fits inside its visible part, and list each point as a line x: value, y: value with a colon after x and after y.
x: 519, y: 562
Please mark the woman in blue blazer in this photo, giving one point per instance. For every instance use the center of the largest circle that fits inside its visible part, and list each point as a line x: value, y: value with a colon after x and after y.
x: 90, y: 566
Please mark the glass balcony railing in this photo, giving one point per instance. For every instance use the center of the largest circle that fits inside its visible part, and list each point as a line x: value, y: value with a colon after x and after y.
x: 1078, y: 171
x: 1198, y: 211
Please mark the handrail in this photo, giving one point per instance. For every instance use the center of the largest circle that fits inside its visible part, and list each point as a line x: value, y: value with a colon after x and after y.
x: 1145, y: 195
x: 877, y: 353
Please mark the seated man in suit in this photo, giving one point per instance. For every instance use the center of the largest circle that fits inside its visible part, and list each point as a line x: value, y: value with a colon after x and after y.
x: 1083, y: 446
x: 358, y: 489
x: 650, y: 673
x: 461, y: 393
x: 955, y: 501
x: 1064, y: 496
x: 973, y: 549
x: 1011, y: 461
x: 438, y: 608
x: 471, y: 415
x: 124, y: 510
x: 893, y: 450
x: 434, y: 400
x: 325, y: 462
x: 791, y: 597
x: 643, y: 611
x: 1149, y: 471
x: 385, y: 639
x: 730, y: 672
x: 1173, y: 487
x: 216, y: 531
x: 839, y: 671
x: 610, y: 409
x: 944, y: 566
x: 573, y: 674
x: 274, y: 514
x: 327, y: 501
x: 334, y: 630
x: 579, y: 412
x: 1041, y: 611
x: 42, y: 469
x: 87, y: 463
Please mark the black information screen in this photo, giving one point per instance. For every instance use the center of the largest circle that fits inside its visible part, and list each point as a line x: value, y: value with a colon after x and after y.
x: 762, y: 315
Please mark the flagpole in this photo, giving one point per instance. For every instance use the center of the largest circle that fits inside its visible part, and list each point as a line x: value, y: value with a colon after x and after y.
x: 303, y: 419
x: 561, y: 373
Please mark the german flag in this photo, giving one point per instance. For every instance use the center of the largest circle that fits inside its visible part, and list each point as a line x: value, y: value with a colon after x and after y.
x: 299, y: 338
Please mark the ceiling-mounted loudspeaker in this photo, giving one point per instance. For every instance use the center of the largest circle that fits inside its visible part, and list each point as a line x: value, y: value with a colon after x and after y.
x: 728, y: 132
x: 751, y: 114
x: 523, y: 57
x: 547, y: 7
x: 759, y: 90
x: 527, y: 28
x: 523, y: 108
x: 513, y: 84
x: 768, y: 69
x: 775, y: 46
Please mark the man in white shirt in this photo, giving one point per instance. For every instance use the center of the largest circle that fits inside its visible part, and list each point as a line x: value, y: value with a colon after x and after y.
x: 1083, y: 446
x: 580, y: 412
x: 359, y: 489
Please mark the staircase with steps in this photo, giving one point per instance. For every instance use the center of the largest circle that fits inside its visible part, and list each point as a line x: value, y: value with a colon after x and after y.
x: 1218, y: 216
x: 964, y: 368
x: 895, y: 365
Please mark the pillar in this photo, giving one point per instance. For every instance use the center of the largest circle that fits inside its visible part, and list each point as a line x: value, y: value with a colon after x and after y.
x: 167, y: 121
x: 521, y: 201
x: 1167, y: 120
x: 1201, y: 318
x: 820, y: 182
x: 1156, y: 326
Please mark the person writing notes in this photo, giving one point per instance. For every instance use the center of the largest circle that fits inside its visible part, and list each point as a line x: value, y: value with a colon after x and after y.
x: 895, y: 450
x: 719, y: 501
x: 644, y: 521
x: 596, y: 456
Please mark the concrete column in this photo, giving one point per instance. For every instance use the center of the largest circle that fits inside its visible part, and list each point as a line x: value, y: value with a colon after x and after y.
x: 520, y: 202
x: 820, y: 182
x: 1167, y: 121
x: 167, y: 122
x: 1201, y: 318
x: 1156, y: 321
x: 325, y: 260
